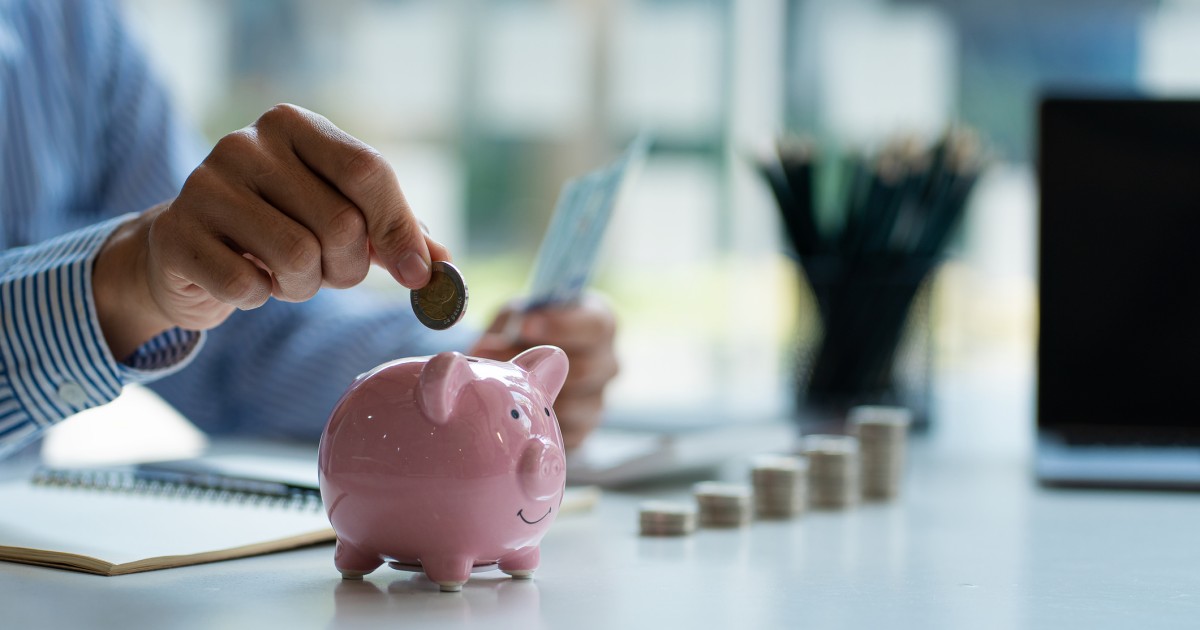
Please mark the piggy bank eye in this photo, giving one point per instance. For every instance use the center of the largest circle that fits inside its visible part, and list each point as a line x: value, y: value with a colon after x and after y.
x: 547, y: 410
x: 515, y: 414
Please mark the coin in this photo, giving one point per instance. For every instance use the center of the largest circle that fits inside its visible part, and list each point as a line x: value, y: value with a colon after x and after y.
x: 665, y: 518
x: 833, y: 470
x: 723, y: 504
x: 780, y: 485
x: 882, y: 433
x: 441, y: 303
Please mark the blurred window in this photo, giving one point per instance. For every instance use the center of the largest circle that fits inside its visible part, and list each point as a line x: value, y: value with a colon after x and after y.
x: 486, y: 107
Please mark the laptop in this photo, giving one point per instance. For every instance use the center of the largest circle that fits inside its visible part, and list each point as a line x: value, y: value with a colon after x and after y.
x: 1118, y: 360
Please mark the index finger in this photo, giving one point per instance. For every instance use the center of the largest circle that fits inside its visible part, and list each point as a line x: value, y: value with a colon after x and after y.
x: 361, y: 174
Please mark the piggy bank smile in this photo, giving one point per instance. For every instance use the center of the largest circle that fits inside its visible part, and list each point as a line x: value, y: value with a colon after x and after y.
x: 521, y: 515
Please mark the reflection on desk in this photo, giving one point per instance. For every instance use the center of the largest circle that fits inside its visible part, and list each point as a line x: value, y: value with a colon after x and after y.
x: 495, y: 599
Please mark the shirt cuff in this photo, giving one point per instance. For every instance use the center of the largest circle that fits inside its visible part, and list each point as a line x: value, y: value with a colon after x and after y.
x: 162, y: 356
x: 54, y: 361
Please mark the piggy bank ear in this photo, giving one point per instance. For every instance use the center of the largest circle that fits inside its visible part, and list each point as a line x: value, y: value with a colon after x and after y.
x: 547, y: 365
x: 440, y: 384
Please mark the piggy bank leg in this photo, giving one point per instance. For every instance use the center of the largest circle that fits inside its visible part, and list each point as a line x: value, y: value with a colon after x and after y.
x: 521, y: 563
x: 352, y: 563
x: 450, y: 573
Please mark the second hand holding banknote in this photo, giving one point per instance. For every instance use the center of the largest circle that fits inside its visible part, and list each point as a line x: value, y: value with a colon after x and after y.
x: 568, y: 253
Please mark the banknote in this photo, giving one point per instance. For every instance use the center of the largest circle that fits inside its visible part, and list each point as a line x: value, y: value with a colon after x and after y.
x: 567, y: 256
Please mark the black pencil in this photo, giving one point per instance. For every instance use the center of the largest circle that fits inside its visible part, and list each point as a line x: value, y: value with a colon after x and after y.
x: 896, y: 210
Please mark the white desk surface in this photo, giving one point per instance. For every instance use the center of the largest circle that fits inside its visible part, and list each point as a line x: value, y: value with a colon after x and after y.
x: 974, y: 543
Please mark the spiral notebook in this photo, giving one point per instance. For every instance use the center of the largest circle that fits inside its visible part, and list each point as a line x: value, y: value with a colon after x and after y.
x: 120, y: 521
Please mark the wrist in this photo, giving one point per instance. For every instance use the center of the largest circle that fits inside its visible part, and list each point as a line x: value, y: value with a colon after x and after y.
x: 127, y: 312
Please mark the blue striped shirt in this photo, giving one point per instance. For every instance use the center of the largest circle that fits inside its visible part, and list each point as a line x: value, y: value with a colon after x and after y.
x: 88, y: 136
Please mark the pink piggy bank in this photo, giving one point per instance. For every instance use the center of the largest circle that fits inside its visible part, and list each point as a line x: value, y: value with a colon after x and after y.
x: 446, y: 465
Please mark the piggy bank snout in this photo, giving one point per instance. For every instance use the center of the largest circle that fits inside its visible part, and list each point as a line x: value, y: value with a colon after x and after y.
x: 542, y: 469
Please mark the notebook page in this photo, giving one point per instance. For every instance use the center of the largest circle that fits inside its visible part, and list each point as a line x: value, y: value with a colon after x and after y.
x: 120, y: 527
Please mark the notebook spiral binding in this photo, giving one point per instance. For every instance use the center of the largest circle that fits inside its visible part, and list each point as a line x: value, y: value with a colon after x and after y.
x: 188, y: 487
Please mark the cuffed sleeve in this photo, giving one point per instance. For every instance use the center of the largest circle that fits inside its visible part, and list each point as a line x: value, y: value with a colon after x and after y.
x: 54, y: 361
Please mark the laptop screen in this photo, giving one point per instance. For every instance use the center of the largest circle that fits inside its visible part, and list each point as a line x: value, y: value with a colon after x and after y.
x: 1119, y: 338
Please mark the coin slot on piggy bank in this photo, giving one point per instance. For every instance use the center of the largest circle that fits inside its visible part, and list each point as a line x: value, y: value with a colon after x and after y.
x: 446, y: 465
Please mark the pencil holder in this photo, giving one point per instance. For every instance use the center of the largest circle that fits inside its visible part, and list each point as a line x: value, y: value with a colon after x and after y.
x: 868, y: 270
x: 867, y: 341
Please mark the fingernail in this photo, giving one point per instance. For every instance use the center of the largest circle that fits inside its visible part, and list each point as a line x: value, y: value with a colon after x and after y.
x: 414, y: 271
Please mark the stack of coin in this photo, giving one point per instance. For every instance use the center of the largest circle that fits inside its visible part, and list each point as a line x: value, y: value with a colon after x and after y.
x: 780, y: 485
x: 723, y: 504
x: 667, y: 518
x: 882, y: 433
x: 832, y: 470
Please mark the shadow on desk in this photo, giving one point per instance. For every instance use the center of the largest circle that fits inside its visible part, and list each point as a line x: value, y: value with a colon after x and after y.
x: 414, y: 598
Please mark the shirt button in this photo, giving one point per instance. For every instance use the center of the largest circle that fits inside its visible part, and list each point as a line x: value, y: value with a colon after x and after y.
x: 72, y: 394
